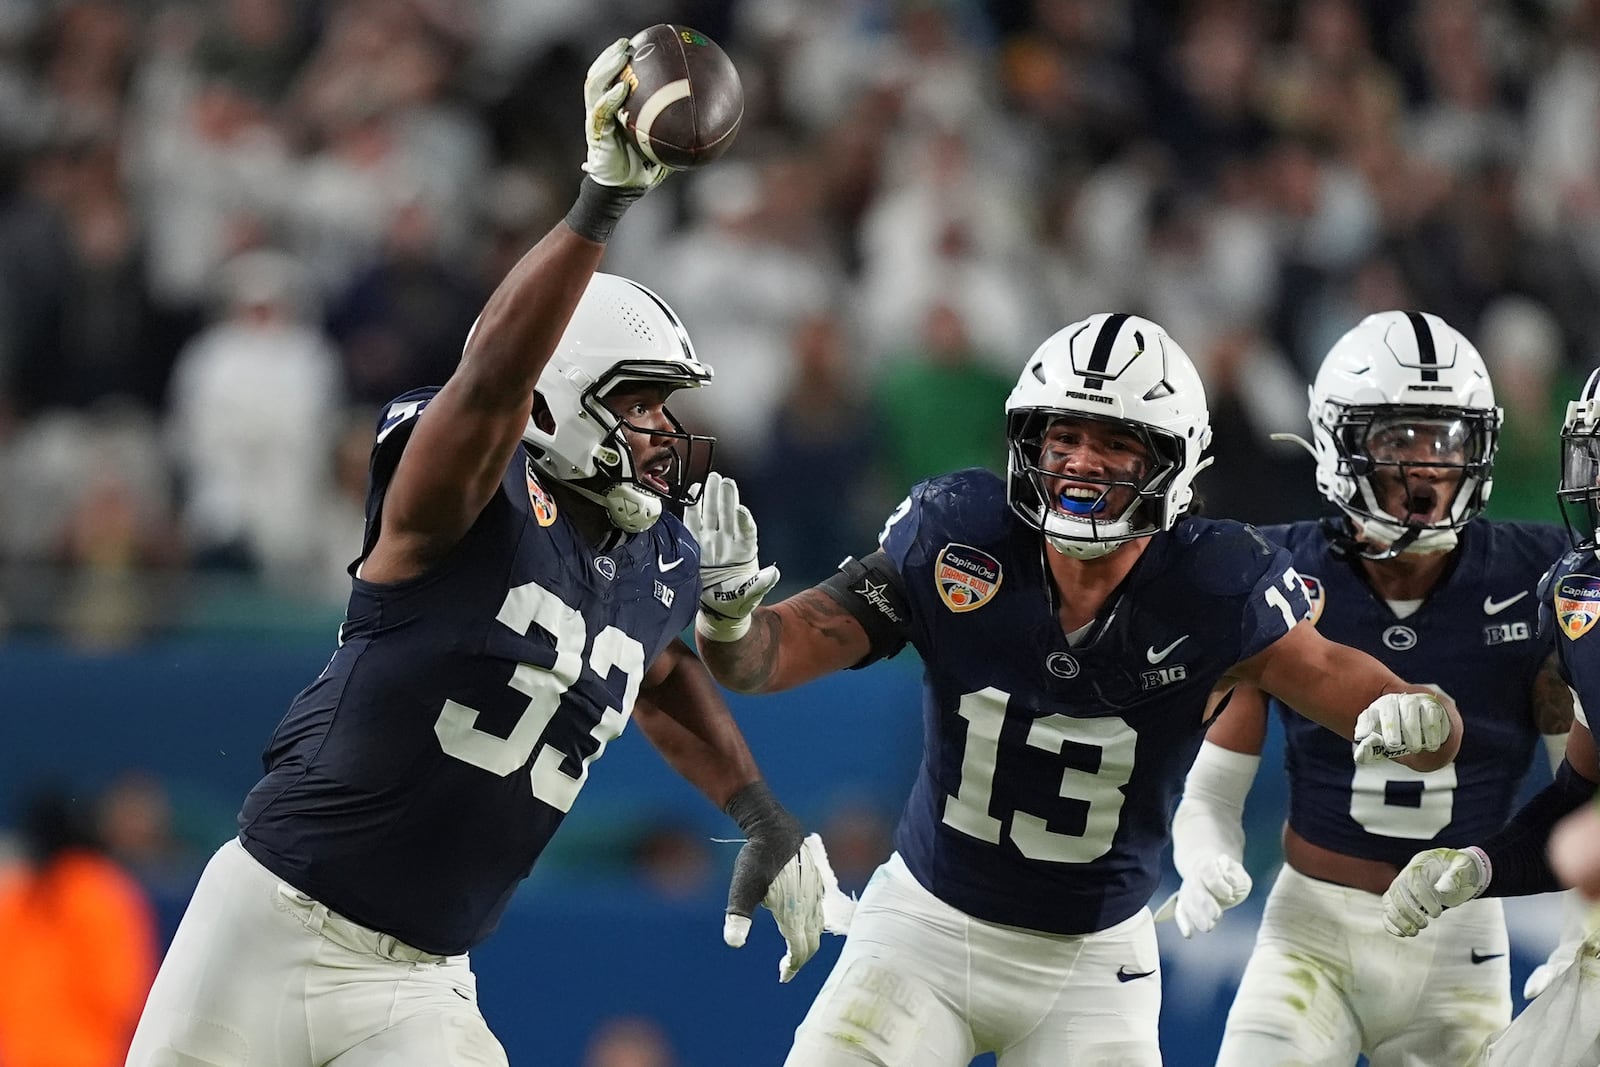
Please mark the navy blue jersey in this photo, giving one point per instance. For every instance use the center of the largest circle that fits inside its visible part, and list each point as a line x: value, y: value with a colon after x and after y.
x: 1477, y: 638
x: 1569, y: 606
x: 412, y: 786
x: 1049, y: 772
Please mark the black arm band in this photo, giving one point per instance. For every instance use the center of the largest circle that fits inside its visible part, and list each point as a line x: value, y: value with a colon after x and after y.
x: 1517, y: 859
x: 872, y: 592
x: 598, y: 207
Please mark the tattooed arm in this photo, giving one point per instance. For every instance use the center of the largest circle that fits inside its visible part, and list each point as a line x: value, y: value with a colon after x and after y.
x: 1551, y: 700
x: 805, y: 637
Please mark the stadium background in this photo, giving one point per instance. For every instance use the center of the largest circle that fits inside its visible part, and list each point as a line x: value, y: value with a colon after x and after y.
x: 230, y: 229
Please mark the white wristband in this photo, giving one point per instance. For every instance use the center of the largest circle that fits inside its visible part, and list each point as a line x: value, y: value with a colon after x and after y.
x: 1210, y: 820
x: 713, y: 628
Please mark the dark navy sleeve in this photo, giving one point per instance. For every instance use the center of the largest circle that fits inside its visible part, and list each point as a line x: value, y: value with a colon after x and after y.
x: 1276, y: 603
x: 395, y: 423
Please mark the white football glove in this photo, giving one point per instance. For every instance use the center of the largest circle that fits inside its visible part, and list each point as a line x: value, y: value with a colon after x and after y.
x: 1560, y: 959
x: 612, y: 158
x: 1198, y: 904
x: 805, y: 900
x: 732, y: 580
x: 1400, y: 724
x: 1432, y: 881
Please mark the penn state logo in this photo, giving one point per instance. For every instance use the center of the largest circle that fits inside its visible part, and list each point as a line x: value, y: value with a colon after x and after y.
x: 966, y: 577
x: 1314, y: 593
x: 1577, y: 604
x: 606, y: 566
x: 1061, y: 665
x: 1400, y: 638
x: 544, y: 505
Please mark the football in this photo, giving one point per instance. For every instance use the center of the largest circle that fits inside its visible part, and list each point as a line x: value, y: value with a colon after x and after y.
x: 684, y: 98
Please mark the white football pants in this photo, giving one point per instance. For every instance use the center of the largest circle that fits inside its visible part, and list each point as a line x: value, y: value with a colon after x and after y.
x: 1561, y: 1028
x: 260, y: 974
x: 922, y: 984
x: 1326, y: 982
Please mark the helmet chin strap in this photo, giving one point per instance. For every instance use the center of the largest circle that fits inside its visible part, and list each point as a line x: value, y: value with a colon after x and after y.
x: 630, y: 508
x: 1082, y: 549
x: 1389, y: 539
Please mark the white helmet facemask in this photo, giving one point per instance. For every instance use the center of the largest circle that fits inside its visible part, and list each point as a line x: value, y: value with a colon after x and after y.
x: 621, y: 335
x: 1404, y: 429
x: 1120, y: 375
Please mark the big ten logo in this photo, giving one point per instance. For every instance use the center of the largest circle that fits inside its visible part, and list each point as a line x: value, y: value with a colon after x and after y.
x: 1502, y: 633
x: 1164, y: 676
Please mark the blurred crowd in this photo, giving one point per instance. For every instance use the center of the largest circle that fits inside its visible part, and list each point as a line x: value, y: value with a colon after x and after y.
x: 230, y: 229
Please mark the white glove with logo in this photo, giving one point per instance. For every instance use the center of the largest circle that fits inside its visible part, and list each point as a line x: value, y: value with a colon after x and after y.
x: 1400, y: 724
x: 1203, y: 897
x: 1432, y: 881
x: 732, y: 580
x: 612, y: 158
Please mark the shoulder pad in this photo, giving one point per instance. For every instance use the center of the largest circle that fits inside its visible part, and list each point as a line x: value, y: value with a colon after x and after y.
x: 1224, y: 557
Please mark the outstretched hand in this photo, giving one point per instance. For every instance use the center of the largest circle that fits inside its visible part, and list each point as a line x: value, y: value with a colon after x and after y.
x: 732, y: 580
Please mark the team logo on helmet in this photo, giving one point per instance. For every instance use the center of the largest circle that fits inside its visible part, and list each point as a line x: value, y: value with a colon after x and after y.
x: 544, y: 505
x: 965, y: 577
x: 1577, y: 603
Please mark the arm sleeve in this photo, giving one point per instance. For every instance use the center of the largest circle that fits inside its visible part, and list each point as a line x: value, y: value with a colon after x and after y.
x: 1517, y: 853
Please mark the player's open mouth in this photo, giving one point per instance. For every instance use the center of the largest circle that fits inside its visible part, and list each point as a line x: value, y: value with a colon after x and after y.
x: 655, y: 473
x: 1420, y: 503
x: 1082, y: 500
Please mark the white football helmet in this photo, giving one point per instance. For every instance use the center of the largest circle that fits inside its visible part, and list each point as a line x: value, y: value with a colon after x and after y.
x: 1579, y: 495
x: 620, y: 332
x: 1412, y: 387
x: 1121, y: 369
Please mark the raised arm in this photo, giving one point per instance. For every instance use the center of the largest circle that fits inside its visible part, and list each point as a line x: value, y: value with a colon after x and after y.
x: 458, y: 452
x: 1357, y: 697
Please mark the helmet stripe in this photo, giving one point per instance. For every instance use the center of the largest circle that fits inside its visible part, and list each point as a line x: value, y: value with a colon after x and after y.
x: 1100, y: 356
x: 1425, y: 349
x: 1591, y: 386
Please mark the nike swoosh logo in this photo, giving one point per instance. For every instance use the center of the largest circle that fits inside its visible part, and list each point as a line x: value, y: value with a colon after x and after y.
x: 1491, y: 606
x: 1125, y: 975
x: 1156, y: 657
x: 1485, y: 957
x: 664, y: 565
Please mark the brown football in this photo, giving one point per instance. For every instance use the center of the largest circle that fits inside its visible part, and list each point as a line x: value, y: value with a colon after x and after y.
x: 684, y: 101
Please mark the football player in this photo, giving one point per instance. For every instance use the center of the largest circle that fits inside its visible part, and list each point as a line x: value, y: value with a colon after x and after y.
x: 1077, y: 632
x: 1404, y: 426
x: 1562, y: 1027
x: 519, y: 594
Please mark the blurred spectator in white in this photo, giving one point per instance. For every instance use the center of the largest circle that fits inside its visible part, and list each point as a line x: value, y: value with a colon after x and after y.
x: 947, y: 231
x: 754, y: 264
x: 371, y: 97
x: 1561, y: 169
x: 209, y: 166
x: 253, y: 417
x: 1464, y: 122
